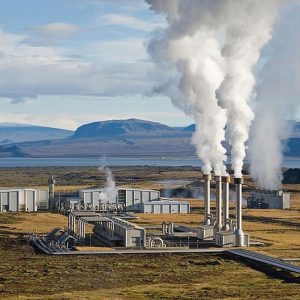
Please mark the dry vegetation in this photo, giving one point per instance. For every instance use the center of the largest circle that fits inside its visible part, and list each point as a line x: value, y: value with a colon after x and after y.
x: 26, y: 275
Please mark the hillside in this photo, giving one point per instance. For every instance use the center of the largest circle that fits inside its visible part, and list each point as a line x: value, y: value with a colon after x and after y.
x: 16, y: 133
x: 121, y: 127
x: 113, y: 138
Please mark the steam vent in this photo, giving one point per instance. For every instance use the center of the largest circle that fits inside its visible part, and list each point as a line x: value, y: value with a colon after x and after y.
x: 219, y: 227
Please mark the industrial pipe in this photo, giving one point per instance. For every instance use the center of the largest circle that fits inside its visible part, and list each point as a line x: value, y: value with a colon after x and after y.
x: 225, y: 184
x: 239, y: 234
x: 207, y: 179
x: 218, y: 225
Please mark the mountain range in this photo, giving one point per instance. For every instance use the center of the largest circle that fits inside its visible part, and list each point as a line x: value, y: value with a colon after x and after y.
x: 131, y: 137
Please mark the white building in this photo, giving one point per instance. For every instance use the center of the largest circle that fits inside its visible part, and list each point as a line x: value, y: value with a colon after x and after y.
x: 161, y: 206
x: 125, y: 196
x: 137, y: 200
x: 23, y: 200
x: 269, y: 200
x: 91, y: 197
x: 130, y: 197
x: 117, y: 232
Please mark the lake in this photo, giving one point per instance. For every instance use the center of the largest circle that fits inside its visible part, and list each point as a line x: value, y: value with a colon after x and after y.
x: 115, y: 161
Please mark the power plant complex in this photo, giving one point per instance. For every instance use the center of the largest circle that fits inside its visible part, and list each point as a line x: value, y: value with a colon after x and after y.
x: 113, y: 218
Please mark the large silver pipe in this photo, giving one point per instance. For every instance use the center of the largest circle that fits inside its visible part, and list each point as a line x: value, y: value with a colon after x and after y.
x: 207, y: 179
x: 225, y: 184
x: 239, y: 234
x: 218, y: 225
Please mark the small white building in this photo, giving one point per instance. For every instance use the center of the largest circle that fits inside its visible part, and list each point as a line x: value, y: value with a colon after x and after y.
x: 117, y: 232
x: 166, y: 207
x: 91, y: 197
x: 23, y: 200
x: 130, y: 197
x: 161, y: 206
x: 269, y: 200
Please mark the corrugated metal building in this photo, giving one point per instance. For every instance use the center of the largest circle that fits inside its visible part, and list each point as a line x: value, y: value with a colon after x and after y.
x: 127, y: 197
x: 269, y: 200
x: 91, y: 197
x: 23, y: 200
x: 130, y: 197
x: 166, y: 207
x: 117, y: 232
x: 161, y: 206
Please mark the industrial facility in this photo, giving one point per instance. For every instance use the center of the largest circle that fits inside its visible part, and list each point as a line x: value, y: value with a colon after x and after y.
x: 127, y: 199
x: 219, y: 227
x: 15, y: 200
x: 269, y: 200
x: 110, y: 218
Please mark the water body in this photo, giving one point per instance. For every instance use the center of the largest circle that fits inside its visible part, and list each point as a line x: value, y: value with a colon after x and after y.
x: 115, y: 161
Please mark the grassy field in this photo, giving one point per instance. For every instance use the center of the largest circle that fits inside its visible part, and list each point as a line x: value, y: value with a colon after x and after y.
x: 26, y: 275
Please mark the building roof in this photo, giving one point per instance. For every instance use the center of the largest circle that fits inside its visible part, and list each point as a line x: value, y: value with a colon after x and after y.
x: 92, y: 190
x: 21, y: 190
x: 120, y: 188
x: 80, y: 213
x: 125, y: 224
x: 95, y: 219
x: 165, y: 202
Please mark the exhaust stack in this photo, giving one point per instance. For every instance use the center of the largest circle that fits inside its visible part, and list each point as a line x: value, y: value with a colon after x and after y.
x: 207, y: 179
x: 239, y: 234
x: 225, y: 183
x: 218, y: 225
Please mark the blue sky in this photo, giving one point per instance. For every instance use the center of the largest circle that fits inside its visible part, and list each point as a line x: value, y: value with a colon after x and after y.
x: 68, y: 62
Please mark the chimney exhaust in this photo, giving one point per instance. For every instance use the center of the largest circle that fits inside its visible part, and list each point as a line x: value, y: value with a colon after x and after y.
x: 207, y: 179
x: 218, y: 225
x: 239, y: 234
x: 225, y: 183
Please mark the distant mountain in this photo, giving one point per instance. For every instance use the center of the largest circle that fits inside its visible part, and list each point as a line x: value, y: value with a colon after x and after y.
x: 121, y: 127
x: 113, y: 138
x: 191, y: 128
x: 296, y: 129
x: 16, y: 133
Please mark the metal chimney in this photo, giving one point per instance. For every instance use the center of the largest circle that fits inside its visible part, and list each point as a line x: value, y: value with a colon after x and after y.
x: 225, y: 183
x: 239, y: 234
x: 51, y: 183
x: 207, y: 179
x: 218, y: 225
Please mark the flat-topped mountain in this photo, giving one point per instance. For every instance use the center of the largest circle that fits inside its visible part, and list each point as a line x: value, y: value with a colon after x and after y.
x: 121, y: 127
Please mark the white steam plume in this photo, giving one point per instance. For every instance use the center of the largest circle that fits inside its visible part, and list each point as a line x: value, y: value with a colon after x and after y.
x: 110, y: 190
x: 213, y: 46
x: 277, y: 101
x: 246, y: 34
x: 189, y: 57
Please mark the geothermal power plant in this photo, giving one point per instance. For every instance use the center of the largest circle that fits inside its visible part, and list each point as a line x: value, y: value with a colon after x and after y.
x: 111, y: 218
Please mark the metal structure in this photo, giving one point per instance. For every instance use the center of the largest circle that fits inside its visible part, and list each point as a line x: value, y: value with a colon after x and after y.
x: 131, y: 197
x: 117, y: 232
x: 51, y: 183
x: 23, y: 200
x: 269, y: 200
x: 161, y: 206
x: 225, y: 232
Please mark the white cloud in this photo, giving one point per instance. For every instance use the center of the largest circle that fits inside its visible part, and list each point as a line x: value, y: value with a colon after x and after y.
x: 56, y: 30
x: 27, y: 71
x: 129, y: 22
x: 124, y: 50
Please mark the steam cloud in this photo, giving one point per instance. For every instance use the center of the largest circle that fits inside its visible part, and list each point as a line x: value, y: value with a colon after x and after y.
x: 277, y: 101
x: 207, y: 55
x: 110, y: 190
